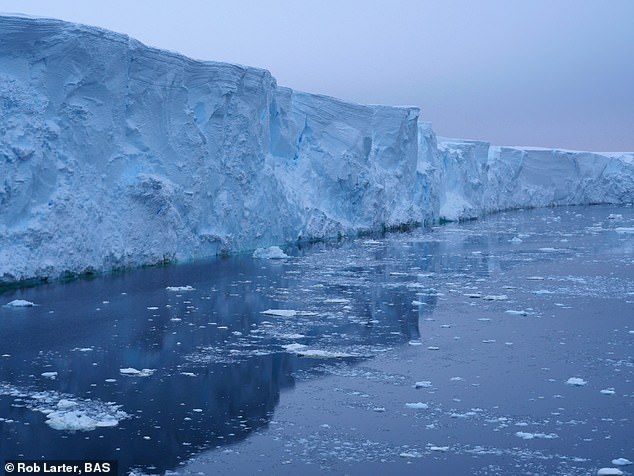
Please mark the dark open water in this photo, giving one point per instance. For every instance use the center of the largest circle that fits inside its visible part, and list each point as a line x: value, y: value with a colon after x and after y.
x: 491, y: 317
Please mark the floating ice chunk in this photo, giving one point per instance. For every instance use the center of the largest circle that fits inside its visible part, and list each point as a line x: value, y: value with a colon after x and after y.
x: 576, y: 381
x: 516, y: 313
x: 473, y: 295
x: 615, y: 216
x: 336, y: 301
x: 608, y: 391
x: 433, y: 347
x: 294, y: 347
x: 535, y: 278
x: 82, y: 349
x: 456, y: 379
x: 624, y: 230
x: 280, y: 312
x: 272, y: 252
x: 415, y: 342
x: 515, y: 240
x: 530, y: 436
x: 180, y: 289
x: 152, y: 308
x: 423, y: 384
x: 417, y: 406
x: 20, y: 303
x: 549, y: 249
x: 410, y: 454
x: 323, y: 354
x: 609, y: 472
x: 438, y: 448
x: 51, y: 375
x: 132, y: 372
x: 495, y: 297
x: 621, y: 462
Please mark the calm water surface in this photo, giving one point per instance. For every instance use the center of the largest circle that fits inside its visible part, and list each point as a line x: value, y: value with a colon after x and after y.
x: 193, y: 368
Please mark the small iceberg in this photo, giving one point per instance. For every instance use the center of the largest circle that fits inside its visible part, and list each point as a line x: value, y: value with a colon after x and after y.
x: 272, y: 252
x: 417, y: 406
x: 280, y: 312
x: 20, y: 303
x: 132, y: 372
x: 180, y: 289
x: 576, y: 381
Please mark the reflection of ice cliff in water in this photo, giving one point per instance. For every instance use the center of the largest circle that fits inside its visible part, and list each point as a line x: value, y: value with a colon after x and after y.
x: 219, y: 363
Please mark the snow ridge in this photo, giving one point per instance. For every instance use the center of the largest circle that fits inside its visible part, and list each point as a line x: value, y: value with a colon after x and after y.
x: 115, y: 155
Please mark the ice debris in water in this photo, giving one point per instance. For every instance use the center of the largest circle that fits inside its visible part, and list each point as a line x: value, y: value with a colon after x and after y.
x: 280, y: 312
x: 530, y: 436
x: 608, y: 391
x: 20, y: 303
x: 423, y: 384
x: 615, y: 216
x: 51, y: 375
x: 417, y: 406
x: 496, y: 297
x: 609, y: 472
x: 621, y: 462
x: 272, y: 252
x: 515, y: 240
x: 67, y: 413
x: 576, y: 381
x: 132, y: 372
x: 180, y: 289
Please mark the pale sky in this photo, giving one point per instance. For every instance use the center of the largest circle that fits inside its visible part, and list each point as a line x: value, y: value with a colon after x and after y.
x: 553, y: 73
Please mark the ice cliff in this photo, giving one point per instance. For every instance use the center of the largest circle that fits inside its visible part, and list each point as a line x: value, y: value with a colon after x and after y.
x: 114, y: 154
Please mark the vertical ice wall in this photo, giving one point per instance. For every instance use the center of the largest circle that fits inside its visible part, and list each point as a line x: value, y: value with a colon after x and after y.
x: 113, y: 154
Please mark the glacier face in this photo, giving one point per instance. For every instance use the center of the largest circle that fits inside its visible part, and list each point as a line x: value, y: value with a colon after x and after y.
x: 114, y: 154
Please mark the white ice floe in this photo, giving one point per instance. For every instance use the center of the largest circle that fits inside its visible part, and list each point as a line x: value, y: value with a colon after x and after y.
x: 417, y: 406
x: 516, y: 313
x: 495, y: 297
x: 280, y: 312
x: 294, y: 347
x: 423, y: 384
x: 615, y: 216
x: 609, y: 472
x: 20, y: 303
x: 67, y: 413
x: 531, y: 436
x: 608, y: 391
x: 621, y: 462
x: 576, y: 381
x: 51, y: 375
x: 272, y: 252
x: 324, y: 354
x: 132, y: 372
x: 441, y: 449
x: 624, y: 230
x: 473, y: 295
x: 180, y: 289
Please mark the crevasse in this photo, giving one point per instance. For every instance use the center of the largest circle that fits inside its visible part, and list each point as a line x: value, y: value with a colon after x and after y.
x: 114, y: 154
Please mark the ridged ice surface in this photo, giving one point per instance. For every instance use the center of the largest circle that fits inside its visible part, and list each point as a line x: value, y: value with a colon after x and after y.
x: 114, y: 154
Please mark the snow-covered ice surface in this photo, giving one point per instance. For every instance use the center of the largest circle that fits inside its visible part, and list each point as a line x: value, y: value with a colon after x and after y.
x: 115, y: 155
x: 304, y: 364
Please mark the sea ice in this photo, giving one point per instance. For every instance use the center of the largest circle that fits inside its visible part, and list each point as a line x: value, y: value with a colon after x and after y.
x: 417, y: 406
x: 180, y: 288
x: 51, y: 375
x: 609, y: 472
x: 272, y: 252
x: 530, y: 436
x: 280, y: 312
x: 132, y: 372
x: 621, y: 462
x: 576, y: 381
x: 20, y: 303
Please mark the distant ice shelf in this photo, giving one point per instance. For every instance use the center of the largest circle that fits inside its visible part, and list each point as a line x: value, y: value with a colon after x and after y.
x: 116, y: 155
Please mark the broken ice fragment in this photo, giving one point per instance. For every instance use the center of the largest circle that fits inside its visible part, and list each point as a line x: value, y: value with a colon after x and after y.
x: 280, y: 312
x: 576, y: 381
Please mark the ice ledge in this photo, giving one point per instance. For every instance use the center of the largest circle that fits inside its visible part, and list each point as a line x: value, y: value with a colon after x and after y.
x: 116, y: 155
